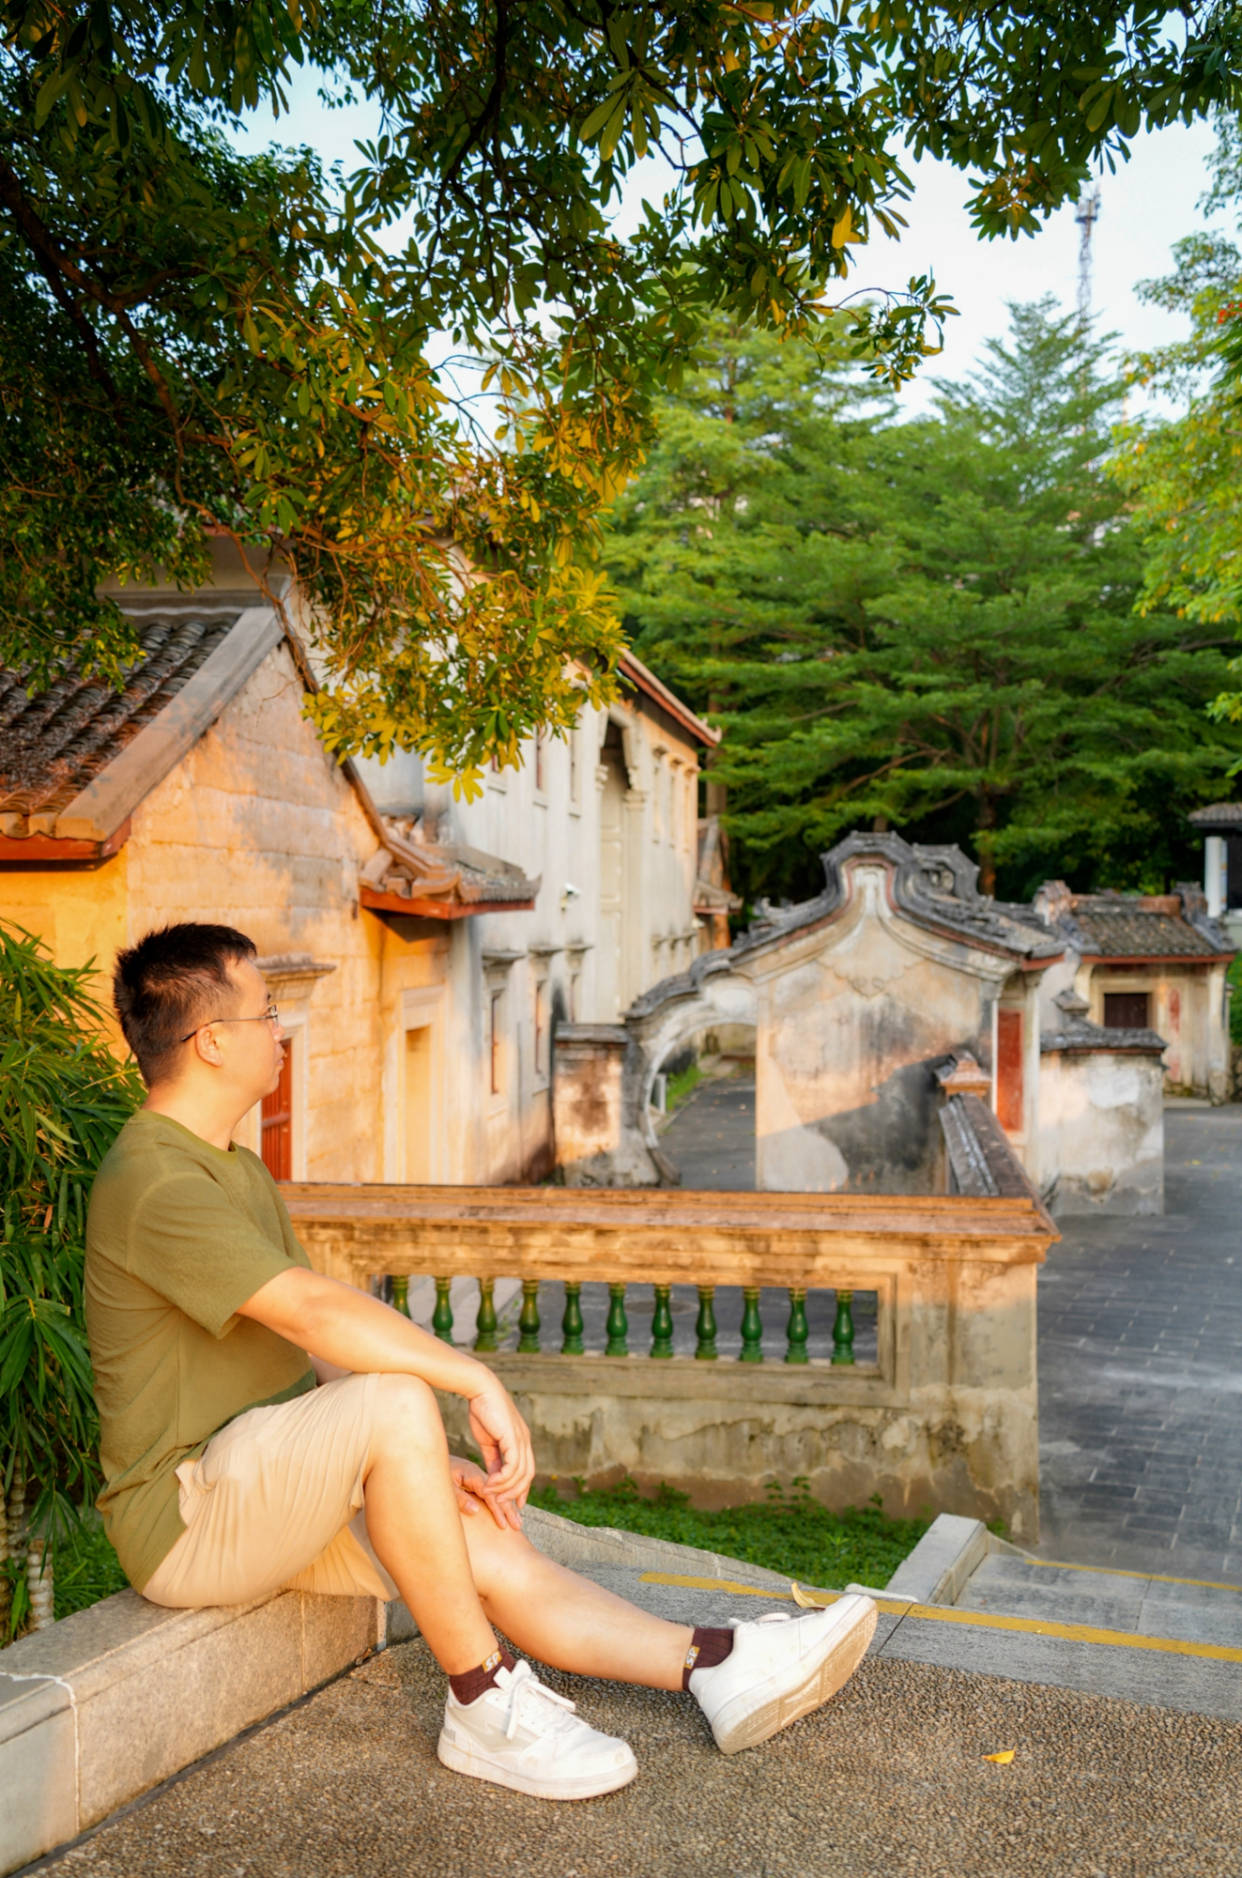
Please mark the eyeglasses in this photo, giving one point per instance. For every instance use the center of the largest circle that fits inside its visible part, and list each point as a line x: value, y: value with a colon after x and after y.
x: 270, y: 1016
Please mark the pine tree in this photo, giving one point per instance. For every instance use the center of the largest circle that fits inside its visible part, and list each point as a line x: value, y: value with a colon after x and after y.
x: 940, y: 631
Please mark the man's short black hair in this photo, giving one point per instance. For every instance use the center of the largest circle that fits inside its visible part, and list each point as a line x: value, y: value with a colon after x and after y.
x: 168, y: 983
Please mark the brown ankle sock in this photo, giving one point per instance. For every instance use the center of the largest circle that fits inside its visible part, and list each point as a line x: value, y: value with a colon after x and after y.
x: 472, y: 1683
x: 708, y: 1648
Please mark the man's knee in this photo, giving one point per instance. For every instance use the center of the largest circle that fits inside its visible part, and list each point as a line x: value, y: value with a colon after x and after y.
x: 405, y: 1412
x: 497, y: 1554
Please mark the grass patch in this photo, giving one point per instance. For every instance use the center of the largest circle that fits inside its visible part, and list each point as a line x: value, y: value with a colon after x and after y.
x: 679, y: 1087
x: 788, y: 1532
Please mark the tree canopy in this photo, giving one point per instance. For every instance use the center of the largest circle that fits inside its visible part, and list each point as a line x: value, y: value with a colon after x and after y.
x: 1184, y: 475
x: 196, y: 343
x: 927, y: 624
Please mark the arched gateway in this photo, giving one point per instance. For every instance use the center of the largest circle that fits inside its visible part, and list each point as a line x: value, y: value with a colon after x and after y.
x: 855, y: 997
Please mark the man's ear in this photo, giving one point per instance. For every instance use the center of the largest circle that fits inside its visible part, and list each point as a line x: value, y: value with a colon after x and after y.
x: 207, y: 1046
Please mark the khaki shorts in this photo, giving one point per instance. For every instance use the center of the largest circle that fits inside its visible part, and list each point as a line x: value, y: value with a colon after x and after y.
x: 274, y: 1502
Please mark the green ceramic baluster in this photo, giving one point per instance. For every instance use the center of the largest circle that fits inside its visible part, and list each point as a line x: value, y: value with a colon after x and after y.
x: 528, y: 1321
x: 401, y: 1295
x: 662, y: 1323
x: 797, y: 1330
x: 571, y: 1323
x: 843, y: 1328
x: 485, y: 1322
x: 442, y: 1316
x: 618, y: 1325
x: 752, y: 1327
x: 705, y: 1325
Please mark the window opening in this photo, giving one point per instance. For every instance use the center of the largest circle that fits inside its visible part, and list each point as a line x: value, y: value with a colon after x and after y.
x: 1127, y: 1010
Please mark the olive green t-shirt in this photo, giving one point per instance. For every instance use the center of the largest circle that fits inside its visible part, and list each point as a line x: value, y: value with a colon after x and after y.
x: 179, y: 1234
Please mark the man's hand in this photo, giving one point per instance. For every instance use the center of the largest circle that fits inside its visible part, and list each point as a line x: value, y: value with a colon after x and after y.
x: 474, y: 1490
x: 503, y: 1439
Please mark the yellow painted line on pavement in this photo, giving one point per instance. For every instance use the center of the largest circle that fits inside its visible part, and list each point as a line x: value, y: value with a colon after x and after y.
x: 1114, y: 1571
x: 725, y: 1584
x: 979, y: 1620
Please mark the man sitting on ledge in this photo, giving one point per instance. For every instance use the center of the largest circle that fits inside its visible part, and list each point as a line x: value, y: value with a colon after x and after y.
x: 230, y: 1475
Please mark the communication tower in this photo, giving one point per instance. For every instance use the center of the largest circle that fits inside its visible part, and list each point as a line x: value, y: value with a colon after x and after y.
x: 1088, y: 215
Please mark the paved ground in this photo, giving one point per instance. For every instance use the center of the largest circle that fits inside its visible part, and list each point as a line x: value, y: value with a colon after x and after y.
x: 1140, y: 1369
x: 1140, y: 1349
x: 711, y: 1140
x: 889, y: 1781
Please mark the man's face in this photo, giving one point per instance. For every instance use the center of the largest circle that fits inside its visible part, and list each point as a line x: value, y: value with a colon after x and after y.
x: 251, y: 1045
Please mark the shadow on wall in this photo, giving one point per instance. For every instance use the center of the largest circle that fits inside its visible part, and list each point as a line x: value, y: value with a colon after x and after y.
x: 889, y: 1145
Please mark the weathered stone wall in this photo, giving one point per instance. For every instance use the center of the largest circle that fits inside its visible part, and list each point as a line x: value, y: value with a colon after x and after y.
x: 949, y: 1424
x: 1189, y: 1011
x: 852, y: 1013
x: 259, y: 828
x: 1102, y: 1132
x: 606, y: 821
x: 594, y: 1096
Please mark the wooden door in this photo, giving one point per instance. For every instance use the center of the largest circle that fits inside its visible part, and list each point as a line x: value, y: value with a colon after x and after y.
x: 276, y: 1139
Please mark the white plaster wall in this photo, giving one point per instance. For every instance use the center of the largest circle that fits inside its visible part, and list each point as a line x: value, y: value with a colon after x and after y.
x: 550, y: 828
x: 849, y: 1018
x: 1102, y: 1132
x: 1187, y: 1009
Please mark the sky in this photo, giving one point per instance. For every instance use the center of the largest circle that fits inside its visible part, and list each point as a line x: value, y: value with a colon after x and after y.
x: 1146, y: 206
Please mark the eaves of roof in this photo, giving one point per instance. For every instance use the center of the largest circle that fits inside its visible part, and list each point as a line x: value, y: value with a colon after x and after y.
x: 633, y: 669
x: 375, y: 900
x: 1223, y: 817
x: 1194, y: 961
x: 94, y: 822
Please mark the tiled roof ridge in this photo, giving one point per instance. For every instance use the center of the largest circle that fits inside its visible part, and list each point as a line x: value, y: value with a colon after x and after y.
x: 58, y: 740
x: 935, y: 887
x: 416, y: 869
x: 1227, y: 814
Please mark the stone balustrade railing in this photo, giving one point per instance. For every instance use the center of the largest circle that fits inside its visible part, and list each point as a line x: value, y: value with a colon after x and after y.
x: 615, y: 1336
x: 941, y: 1416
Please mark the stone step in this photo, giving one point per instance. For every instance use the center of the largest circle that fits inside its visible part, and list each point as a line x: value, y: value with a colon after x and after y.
x: 1157, y: 1606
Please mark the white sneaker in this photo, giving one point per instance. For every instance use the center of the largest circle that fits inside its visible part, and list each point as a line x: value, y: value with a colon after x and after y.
x: 524, y: 1736
x: 781, y: 1667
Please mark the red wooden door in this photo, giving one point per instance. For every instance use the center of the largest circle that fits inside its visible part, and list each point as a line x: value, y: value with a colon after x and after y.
x: 277, y: 1132
x: 1009, y: 1070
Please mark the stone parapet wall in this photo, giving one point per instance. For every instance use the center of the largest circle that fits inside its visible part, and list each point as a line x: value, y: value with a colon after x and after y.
x: 944, y: 1419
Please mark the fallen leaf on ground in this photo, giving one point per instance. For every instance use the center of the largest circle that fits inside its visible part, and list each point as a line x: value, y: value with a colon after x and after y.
x: 1003, y: 1758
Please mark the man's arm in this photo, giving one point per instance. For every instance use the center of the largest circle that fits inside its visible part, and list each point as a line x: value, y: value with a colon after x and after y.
x: 355, y: 1332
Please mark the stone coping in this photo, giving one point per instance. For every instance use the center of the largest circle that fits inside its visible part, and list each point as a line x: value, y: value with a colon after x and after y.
x: 104, y: 1705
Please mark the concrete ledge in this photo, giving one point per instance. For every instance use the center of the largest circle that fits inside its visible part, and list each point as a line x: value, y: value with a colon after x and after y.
x: 106, y: 1704
x: 940, y: 1566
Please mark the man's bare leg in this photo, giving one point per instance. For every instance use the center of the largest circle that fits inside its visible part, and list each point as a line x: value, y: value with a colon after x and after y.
x: 415, y: 1526
x: 455, y: 1573
x: 561, y: 1618
x: 458, y: 1571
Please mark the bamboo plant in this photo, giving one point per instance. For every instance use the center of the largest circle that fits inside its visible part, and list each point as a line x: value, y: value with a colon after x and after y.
x: 63, y: 1096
